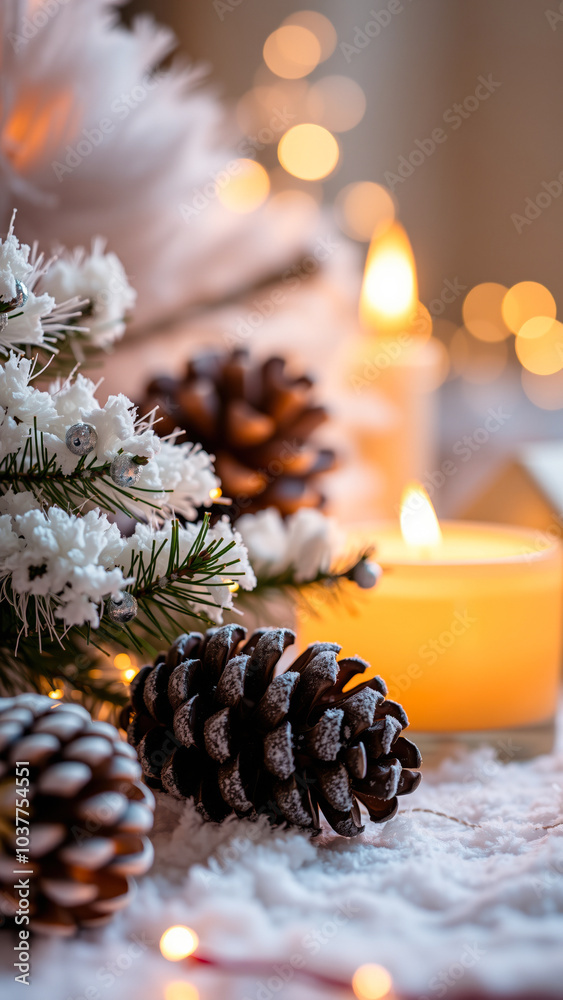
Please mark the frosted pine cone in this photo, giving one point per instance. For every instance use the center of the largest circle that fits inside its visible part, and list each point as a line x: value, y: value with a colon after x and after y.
x: 78, y: 784
x: 210, y: 720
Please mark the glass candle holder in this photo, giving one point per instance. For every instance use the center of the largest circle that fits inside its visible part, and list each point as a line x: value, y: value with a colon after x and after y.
x: 468, y: 637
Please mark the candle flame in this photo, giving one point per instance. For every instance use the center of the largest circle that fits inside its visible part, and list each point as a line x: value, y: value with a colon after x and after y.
x: 419, y: 524
x: 389, y: 296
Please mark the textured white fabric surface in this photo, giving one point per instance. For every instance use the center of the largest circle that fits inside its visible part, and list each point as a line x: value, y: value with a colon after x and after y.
x: 448, y: 908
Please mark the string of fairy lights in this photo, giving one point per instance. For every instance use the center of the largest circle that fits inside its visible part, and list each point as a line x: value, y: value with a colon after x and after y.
x: 181, y: 944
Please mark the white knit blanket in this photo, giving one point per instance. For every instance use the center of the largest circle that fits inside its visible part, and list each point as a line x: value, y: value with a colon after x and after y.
x: 448, y: 908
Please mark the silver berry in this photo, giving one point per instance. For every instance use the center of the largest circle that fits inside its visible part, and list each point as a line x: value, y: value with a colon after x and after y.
x: 124, y: 470
x: 19, y: 299
x: 81, y: 439
x: 365, y: 574
x: 122, y: 608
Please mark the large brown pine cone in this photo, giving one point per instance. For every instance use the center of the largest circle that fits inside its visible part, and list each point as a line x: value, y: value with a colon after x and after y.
x: 256, y: 420
x: 77, y: 782
x: 210, y: 720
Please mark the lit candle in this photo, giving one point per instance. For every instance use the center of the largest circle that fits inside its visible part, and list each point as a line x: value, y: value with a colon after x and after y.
x: 464, y: 625
x: 396, y: 359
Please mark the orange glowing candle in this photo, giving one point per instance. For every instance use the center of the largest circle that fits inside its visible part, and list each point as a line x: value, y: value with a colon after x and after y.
x: 464, y: 625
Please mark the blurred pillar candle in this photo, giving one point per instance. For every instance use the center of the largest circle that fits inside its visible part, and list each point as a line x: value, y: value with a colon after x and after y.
x: 464, y: 625
x: 397, y: 359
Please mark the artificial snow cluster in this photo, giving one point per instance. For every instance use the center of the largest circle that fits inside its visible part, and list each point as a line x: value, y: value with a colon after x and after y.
x: 74, y: 471
x: 301, y: 547
x: 44, y: 300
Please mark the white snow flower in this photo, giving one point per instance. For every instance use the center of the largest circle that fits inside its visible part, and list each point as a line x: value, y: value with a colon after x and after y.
x: 98, y: 278
x: 65, y: 562
x: 177, y: 477
x: 39, y: 321
x: 304, y: 545
x: 180, y: 478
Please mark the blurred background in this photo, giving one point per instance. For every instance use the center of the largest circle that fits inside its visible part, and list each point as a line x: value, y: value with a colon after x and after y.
x: 443, y: 113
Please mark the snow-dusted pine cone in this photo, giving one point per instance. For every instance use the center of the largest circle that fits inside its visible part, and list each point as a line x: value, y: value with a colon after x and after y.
x: 73, y: 784
x: 256, y: 419
x: 210, y: 720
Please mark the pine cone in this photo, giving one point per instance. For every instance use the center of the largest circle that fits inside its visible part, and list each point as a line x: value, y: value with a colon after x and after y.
x: 210, y: 720
x: 256, y: 420
x: 87, y: 809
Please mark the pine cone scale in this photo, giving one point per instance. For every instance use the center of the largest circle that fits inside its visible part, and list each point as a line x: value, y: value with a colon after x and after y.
x: 81, y: 779
x: 287, y: 746
x: 256, y: 419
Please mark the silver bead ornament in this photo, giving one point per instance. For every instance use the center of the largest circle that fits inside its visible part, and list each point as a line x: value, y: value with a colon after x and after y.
x: 366, y: 574
x: 81, y: 439
x: 19, y: 299
x: 122, y: 608
x: 125, y: 471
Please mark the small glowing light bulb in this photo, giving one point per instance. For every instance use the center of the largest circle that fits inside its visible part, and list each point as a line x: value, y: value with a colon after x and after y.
x: 371, y: 982
x: 178, y: 942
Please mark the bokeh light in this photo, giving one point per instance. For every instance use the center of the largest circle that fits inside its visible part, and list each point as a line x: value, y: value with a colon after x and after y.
x: 246, y: 190
x: 477, y: 361
x: 178, y: 942
x: 524, y: 301
x: 539, y: 345
x: 122, y: 661
x: 265, y: 110
x: 56, y: 694
x: 482, y: 312
x: 292, y: 51
x: 441, y: 368
x: 337, y: 102
x: 181, y: 991
x: 421, y: 323
x: 364, y: 209
x: 535, y: 327
x: 371, y: 982
x: 389, y: 296
x: 308, y: 151
x: 545, y: 391
x: 321, y: 27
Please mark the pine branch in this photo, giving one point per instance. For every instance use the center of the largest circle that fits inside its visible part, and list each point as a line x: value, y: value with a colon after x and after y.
x: 166, y: 602
x: 32, y: 469
x: 328, y: 585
